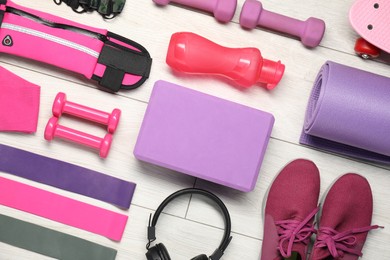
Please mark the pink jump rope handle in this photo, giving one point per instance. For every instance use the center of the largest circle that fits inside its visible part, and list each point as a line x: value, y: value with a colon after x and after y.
x: 189, y: 52
x: 62, y: 106
x: 53, y: 129
x: 310, y: 31
x: 223, y: 10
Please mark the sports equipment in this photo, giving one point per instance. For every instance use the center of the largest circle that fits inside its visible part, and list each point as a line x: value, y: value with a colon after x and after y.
x: 310, y: 31
x: 19, y: 103
x: 204, y: 136
x: 66, y: 176
x: 53, y: 129
x: 371, y: 19
x: 61, y: 106
x: 62, y: 209
x: 347, y: 113
x: 223, y: 10
x: 50, y: 242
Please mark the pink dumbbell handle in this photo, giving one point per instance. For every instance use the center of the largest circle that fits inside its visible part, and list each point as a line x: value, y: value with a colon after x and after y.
x: 53, y: 129
x: 86, y: 112
x: 78, y: 136
x: 61, y: 105
x: 207, y: 5
x: 281, y: 23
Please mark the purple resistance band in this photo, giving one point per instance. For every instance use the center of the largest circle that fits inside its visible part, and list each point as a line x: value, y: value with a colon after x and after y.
x: 66, y: 176
x: 349, y: 113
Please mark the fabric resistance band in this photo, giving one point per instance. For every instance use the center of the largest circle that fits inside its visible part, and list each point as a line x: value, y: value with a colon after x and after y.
x: 349, y: 113
x: 66, y: 176
x: 61, y: 209
x: 49, y: 242
x: 19, y: 103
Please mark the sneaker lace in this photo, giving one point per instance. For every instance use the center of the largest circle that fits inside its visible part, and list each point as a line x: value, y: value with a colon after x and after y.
x: 339, y: 243
x: 294, y: 231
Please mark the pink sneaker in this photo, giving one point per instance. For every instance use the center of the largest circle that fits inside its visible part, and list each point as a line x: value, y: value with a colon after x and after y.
x: 289, y: 211
x: 345, y: 219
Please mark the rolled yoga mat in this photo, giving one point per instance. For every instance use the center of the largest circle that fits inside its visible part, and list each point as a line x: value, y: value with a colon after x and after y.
x: 349, y: 113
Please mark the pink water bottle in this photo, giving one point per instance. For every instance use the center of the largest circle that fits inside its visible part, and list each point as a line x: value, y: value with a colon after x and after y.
x: 191, y: 53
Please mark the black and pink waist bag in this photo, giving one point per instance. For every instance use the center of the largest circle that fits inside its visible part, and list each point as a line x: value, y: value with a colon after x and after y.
x: 113, y: 61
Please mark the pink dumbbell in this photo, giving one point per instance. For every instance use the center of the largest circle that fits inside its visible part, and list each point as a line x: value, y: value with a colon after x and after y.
x: 310, y: 31
x: 53, y: 129
x: 223, y: 10
x: 62, y: 106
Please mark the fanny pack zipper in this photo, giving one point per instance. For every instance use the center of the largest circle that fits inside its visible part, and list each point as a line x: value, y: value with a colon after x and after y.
x: 50, y: 37
x: 40, y: 20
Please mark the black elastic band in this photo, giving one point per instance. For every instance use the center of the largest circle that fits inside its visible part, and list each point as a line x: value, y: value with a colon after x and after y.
x: 226, y: 238
x: 112, y: 78
x: 130, y: 61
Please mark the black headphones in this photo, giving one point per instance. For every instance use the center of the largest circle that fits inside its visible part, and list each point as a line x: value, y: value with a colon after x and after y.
x: 160, y: 252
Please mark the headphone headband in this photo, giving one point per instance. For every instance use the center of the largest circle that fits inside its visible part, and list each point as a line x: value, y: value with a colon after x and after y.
x: 226, y: 238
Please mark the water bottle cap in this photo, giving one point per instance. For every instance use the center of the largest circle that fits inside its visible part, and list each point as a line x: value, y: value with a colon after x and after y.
x: 271, y: 73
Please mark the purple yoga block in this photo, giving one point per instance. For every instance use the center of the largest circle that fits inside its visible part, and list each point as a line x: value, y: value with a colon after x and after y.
x: 204, y: 136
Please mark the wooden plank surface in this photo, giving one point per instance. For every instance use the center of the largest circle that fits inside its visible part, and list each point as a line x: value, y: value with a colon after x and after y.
x: 189, y: 226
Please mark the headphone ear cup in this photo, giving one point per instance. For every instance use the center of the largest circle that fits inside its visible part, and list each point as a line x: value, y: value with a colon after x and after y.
x: 153, y: 254
x: 163, y: 252
x: 201, y: 257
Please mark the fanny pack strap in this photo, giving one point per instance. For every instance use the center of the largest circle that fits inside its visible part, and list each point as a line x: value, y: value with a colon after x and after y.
x: 120, y: 60
x: 2, y: 10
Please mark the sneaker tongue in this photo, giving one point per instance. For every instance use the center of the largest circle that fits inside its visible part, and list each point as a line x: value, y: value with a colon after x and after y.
x: 294, y: 256
x: 300, y: 248
x: 320, y: 254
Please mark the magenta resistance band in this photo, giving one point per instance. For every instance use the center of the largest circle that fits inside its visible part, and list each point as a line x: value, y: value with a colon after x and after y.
x: 349, y: 113
x: 61, y: 209
x: 66, y: 176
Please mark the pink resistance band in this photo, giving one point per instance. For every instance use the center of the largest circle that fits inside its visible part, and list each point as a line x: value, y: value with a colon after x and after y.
x: 19, y: 103
x: 61, y: 209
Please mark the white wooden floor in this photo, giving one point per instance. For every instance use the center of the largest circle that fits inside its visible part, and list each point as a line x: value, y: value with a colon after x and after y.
x: 191, y: 227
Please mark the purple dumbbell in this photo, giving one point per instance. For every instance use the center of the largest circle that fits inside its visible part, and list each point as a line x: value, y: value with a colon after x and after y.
x: 223, y: 10
x: 310, y: 31
x: 62, y: 106
x: 53, y: 129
